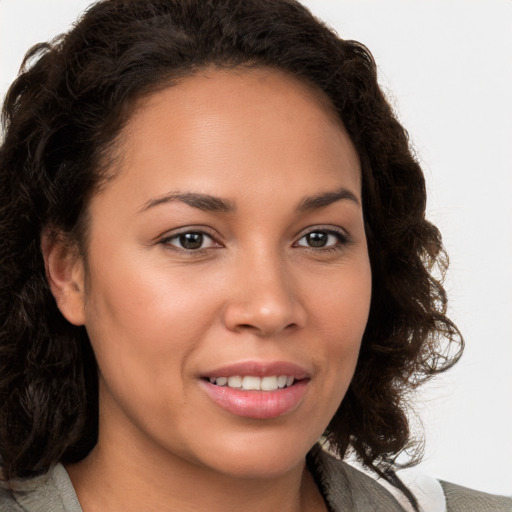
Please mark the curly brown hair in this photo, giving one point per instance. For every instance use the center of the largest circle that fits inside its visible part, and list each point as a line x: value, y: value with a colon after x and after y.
x: 61, y: 118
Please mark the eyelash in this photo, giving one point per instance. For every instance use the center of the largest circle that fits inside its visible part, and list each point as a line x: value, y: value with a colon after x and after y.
x: 341, y: 237
x: 167, y: 241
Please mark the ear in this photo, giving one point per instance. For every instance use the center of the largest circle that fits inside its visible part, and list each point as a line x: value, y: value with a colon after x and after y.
x: 65, y: 275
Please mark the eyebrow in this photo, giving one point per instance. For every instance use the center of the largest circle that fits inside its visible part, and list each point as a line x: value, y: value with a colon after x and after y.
x: 203, y: 202
x: 326, y: 198
x: 211, y: 203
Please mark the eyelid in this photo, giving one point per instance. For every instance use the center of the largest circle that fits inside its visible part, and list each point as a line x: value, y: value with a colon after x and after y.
x: 328, y: 228
x: 175, y: 234
x: 342, y: 236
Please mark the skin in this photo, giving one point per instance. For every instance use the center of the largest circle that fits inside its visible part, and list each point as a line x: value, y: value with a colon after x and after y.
x: 160, y: 316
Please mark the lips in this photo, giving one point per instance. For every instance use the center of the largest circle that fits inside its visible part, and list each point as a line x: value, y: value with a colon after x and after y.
x: 257, y: 390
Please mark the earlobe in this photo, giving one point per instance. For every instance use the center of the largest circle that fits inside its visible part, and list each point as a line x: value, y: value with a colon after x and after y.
x: 65, y: 275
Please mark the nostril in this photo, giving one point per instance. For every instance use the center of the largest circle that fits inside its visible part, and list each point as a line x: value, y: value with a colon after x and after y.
x: 261, y: 318
x: 264, y: 331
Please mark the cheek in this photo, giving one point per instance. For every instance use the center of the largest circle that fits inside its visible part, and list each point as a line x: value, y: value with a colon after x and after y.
x: 339, y: 313
x: 343, y: 304
x: 144, y: 332
x: 341, y: 317
x: 145, y: 327
x: 139, y: 298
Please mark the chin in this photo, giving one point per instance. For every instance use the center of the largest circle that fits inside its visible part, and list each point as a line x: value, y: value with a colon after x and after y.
x: 259, y: 455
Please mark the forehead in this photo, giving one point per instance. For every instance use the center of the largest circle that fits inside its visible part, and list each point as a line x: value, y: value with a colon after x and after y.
x: 243, y: 85
x: 218, y: 124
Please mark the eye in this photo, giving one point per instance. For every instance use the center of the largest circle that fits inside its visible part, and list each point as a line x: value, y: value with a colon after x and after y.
x: 322, y: 239
x: 190, y: 241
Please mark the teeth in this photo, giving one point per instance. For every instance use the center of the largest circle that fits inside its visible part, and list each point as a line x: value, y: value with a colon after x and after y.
x: 269, y: 383
x: 252, y: 383
x: 281, y: 381
x: 234, y: 382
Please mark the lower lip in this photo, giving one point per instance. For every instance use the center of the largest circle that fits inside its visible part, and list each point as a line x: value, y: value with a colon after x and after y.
x: 257, y: 404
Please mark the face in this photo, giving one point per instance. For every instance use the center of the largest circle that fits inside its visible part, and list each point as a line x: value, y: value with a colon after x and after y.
x: 227, y: 278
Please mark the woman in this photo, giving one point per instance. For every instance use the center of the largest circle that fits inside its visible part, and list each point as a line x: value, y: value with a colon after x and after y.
x: 214, y: 253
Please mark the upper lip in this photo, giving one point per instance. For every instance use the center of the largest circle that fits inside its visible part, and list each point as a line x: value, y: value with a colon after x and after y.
x: 259, y: 369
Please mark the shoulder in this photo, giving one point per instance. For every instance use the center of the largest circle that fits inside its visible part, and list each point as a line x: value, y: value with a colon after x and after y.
x: 52, y: 491
x: 346, y: 488
x: 7, y: 502
x: 462, y: 499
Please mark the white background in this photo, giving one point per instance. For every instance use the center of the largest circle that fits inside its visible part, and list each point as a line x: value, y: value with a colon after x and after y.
x: 447, y: 68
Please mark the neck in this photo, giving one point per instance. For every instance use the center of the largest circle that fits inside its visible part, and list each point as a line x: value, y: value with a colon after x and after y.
x: 145, y: 483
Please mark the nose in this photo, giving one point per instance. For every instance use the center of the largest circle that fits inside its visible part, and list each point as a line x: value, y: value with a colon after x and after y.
x: 264, y: 299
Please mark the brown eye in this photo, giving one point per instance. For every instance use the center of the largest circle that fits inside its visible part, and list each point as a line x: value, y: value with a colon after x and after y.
x: 322, y: 239
x: 317, y: 239
x: 190, y: 241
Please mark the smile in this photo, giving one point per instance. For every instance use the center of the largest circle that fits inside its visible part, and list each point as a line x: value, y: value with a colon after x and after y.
x: 254, y: 383
x: 257, y: 389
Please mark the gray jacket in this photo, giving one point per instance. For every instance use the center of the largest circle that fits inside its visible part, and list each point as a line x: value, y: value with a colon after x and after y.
x: 347, y: 489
